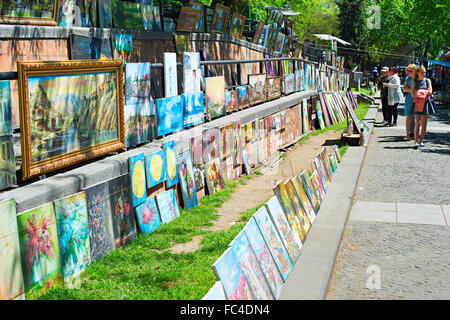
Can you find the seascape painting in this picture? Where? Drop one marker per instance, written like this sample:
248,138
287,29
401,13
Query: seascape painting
171,163
168,206
155,164
215,96
148,216
186,177
193,108
137,174
169,115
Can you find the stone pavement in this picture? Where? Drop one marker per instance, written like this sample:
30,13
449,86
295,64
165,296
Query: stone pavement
396,243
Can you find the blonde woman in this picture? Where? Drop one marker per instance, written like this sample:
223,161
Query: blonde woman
421,91
409,114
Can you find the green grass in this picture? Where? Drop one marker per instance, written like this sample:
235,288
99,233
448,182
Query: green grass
258,173
364,90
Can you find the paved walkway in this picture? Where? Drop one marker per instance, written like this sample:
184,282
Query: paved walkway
396,243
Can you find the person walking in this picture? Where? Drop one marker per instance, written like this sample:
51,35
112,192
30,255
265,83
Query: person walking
409,113
394,96
384,78
421,91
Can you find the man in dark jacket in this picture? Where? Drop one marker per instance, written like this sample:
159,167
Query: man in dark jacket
384,78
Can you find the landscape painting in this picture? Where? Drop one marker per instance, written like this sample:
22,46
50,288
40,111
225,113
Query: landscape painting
101,234
127,15
215,96
219,22
44,12
155,164
137,174
170,156
229,272
169,115
289,83
168,207
140,123
7,158
226,141
242,97
138,83
237,25
73,235
182,43
214,178
11,279
124,224
193,108
186,177
39,250
257,93
250,267
148,216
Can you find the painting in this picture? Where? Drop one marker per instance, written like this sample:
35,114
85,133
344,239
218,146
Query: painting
155,164
307,206
148,216
247,165
138,83
7,157
261,38
258,30
186,177
312,194
193,108
39,250
171,163
124,224
199,25
315,181
271,38
84,47
237,25
170,74
216,292
298,206
127,15
298,50
70,112
333,162
321,174
69,13
298,80
187,20
226,141
257,93
214,178
319,114
105,13
43,12
219,22
286,45
262,253
250,267
197,162
11,278
237,143
191,72
123,47
242,97
228,271
289,83
168,206
273,87
305,117
324,109
191,60
151,17
326,163
137,174
182,43
211,140
337,153
215,96
230,100
290,239
140,123
73,235
273,242
169,115
279,42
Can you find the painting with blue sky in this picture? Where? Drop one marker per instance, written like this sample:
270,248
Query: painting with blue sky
193,108
169,115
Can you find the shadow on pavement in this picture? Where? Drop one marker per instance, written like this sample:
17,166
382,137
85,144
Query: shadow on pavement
435,142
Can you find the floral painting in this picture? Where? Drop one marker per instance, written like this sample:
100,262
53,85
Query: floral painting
155,165
39,250
73,234
168,206
137,174
186,177
214,177
171,163
148,216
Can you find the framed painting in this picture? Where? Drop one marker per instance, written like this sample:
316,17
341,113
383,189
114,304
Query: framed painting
193,108
170,74
290,239
168,206
250,267
242,97
148,216
273,87
279,42
182,43
11,278
169,115
85,47
187,182
230,100
273,242
7,160
39,250
257,92
187,20
262,253
44,12
298,206
140,123
258,31
200,24
216,292
197,162
171,163
73,235
307,206
211,144
215,96
70,112
286,45
298,50
228,271
101,234
219,22
137,174
271,38
151,17
155,164
214,177
237,25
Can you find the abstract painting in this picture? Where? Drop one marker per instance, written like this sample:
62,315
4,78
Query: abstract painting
304,199
186,177
7,157
39,250
257,91
215,96
290,239
229,272
11,279
123,47
137,173
86,47
197,161
214,178
273,242
226,141
313,196
250,267
216,292
170,156
273,87
237,25
298,206
211,140
187,20
262,253
73,235
168,206
140,123
124,224
43,12
199,25
101,234
219,22
169,115
151,17
230,100
155,164
148,216
193,108
242,97
170,74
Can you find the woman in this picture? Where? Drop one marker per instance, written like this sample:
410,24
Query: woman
394,96
421,91
409,114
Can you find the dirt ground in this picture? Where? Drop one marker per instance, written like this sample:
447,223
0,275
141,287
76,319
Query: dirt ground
259,189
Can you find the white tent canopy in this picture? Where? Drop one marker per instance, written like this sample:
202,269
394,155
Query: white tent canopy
330,37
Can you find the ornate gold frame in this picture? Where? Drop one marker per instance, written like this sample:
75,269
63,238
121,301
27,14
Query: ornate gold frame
25,69
242,18
225,18
32,20
186,10
192,3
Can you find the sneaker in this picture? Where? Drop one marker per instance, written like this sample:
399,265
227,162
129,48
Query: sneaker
416,146
422,145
